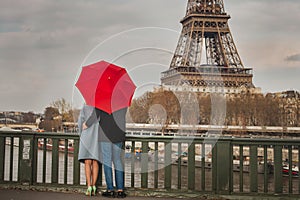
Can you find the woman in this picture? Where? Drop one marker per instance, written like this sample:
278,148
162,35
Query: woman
89,148
112,139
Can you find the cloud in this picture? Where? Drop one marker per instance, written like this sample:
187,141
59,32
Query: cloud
43,45
293,58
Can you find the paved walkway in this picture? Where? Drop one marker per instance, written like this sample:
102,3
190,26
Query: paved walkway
17,194
35,195
8,194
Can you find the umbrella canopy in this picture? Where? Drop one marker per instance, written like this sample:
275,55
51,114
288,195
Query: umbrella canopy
105,86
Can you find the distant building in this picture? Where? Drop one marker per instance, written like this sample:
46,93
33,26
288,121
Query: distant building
289,104
13,117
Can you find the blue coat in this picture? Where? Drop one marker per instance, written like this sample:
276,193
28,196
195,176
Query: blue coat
89,146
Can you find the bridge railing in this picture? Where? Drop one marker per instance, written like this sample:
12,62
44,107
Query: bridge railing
204,165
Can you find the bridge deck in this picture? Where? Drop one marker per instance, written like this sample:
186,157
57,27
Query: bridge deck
15,194
38,195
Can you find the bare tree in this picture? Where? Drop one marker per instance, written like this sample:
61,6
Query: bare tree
64,109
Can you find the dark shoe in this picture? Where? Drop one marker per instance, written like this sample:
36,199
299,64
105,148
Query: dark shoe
109,194
121,194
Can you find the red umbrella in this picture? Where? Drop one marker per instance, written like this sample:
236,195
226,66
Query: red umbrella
106,86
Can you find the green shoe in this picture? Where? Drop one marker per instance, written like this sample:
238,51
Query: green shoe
89,191
94,190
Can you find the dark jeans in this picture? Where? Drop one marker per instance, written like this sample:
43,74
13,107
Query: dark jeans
112,154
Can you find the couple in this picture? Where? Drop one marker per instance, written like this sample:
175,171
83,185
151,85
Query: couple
102,136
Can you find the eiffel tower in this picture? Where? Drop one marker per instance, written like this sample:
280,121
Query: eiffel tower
206,56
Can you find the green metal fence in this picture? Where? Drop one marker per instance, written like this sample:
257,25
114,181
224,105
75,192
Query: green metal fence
206,165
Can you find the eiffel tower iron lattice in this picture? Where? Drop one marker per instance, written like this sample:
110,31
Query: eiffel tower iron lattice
206,55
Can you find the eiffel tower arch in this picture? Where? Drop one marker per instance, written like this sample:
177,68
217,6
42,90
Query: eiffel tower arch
206,55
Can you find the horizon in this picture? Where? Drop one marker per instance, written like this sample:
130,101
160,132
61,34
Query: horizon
24,111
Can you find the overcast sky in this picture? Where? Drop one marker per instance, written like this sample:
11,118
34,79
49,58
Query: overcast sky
44,43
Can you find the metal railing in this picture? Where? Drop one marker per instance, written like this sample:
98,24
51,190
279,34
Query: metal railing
205,165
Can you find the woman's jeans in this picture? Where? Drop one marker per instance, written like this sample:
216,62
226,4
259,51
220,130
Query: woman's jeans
112,153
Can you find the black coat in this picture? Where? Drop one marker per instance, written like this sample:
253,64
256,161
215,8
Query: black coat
112,126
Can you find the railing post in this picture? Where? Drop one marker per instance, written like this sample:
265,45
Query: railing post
203,166
179,166
55,154
278,169
191,166
253,168
156,165
132,164
168,166
214,165
223,165
144,160
35,160
76,164
26,159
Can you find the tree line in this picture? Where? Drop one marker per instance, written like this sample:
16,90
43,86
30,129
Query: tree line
183,107
245,109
